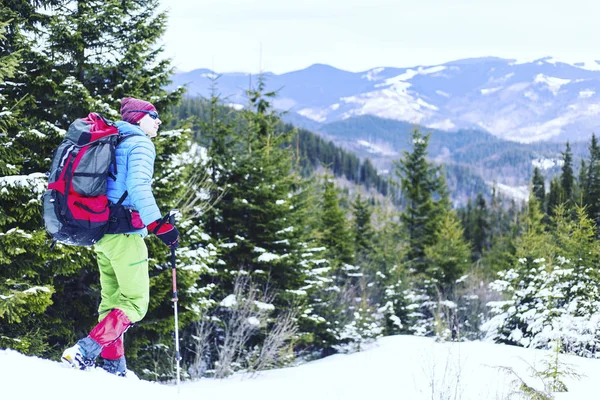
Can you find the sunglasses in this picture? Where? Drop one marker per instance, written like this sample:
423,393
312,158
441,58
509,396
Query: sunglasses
152,114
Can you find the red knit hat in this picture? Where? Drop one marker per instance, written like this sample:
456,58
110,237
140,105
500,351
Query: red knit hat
128,104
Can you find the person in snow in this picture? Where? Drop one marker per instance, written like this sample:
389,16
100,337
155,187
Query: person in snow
123,257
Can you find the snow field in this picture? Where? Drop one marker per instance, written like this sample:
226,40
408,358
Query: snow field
396,367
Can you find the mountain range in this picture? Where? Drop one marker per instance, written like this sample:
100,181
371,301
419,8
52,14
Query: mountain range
540,100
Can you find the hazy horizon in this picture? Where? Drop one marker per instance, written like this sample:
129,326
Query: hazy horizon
358,35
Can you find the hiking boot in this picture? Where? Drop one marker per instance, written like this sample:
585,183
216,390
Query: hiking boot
116,367
75,358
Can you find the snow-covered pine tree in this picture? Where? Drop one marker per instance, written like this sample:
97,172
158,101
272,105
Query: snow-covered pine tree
423,189
256,223
425,202
30,272
553,298
18,298
388,270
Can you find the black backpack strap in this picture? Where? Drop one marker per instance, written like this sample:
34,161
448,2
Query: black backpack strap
122,199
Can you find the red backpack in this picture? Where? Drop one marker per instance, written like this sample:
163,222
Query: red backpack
76,210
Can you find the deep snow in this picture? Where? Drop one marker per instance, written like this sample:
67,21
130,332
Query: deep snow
397,367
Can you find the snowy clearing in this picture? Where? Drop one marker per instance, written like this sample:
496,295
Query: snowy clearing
397,367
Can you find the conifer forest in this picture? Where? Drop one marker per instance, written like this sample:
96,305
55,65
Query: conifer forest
291,247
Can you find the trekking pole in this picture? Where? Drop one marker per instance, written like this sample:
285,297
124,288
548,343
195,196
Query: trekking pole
174,274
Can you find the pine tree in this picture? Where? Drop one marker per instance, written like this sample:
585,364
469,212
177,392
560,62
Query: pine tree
34,277
538,186
335,234
554,196
362,228
581,183
591,192
20,297
421,182
264,220
449,257
567,177
481,227
553,298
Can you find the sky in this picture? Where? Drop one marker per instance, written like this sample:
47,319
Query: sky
356,35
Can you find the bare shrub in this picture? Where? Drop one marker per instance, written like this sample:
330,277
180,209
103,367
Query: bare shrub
201,337
247,312
283,330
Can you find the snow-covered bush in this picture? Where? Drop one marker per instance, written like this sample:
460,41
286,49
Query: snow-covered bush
548,304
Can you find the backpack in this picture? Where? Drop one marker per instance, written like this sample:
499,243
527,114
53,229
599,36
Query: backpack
76,209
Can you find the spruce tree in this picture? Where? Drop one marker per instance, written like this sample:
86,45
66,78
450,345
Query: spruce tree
567,177
424,197
450,256
552,299
591,192
581,183
387,268
448,260
480,228
21,297
538,186
555,196
264,221
361,227
43,282
335,234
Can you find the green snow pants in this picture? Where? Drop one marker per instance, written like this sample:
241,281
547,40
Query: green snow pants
123,265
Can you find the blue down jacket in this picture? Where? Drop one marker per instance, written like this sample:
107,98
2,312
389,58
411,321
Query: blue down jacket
135,166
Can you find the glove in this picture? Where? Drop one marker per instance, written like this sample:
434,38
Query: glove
165,232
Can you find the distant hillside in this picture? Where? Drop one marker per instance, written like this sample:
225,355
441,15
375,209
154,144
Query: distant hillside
363,150
314,151
484,155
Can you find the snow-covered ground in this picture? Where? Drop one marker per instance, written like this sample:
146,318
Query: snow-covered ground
398,367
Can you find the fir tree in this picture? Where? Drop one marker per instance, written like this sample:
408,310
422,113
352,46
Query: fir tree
362,228
538,186
554,196
449,258
41,284
262,221
480,228
591,192
552,297
335,234
567,177
423,191
581,183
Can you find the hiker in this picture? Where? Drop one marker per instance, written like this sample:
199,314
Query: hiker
123,257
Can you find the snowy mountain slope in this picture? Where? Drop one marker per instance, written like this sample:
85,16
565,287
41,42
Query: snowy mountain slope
399,367
522,101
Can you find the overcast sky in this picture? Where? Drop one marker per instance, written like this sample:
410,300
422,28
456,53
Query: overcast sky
356,35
